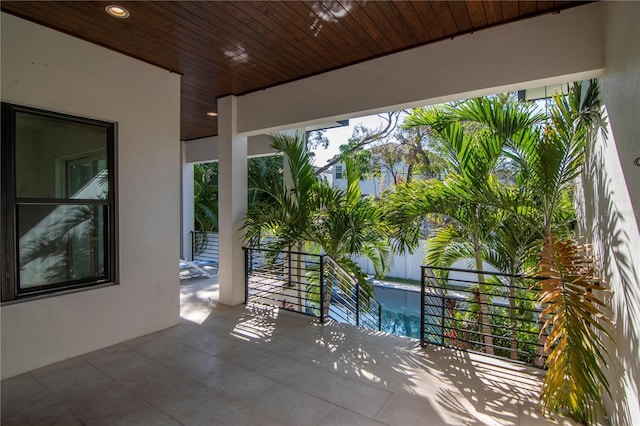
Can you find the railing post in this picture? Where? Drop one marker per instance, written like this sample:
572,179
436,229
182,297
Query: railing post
322,285
379,317
442,313
422,305
358,303
289,266
246,274
193,245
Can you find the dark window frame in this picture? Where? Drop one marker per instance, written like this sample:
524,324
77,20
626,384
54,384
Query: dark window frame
9,204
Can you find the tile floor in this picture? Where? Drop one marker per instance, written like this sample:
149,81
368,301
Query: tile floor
257,366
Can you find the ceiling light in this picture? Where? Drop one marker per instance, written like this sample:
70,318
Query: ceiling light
117,11
212,114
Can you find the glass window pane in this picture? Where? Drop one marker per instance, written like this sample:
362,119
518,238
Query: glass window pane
58,158
60,243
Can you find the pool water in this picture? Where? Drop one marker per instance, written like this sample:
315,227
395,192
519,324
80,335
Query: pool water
400,309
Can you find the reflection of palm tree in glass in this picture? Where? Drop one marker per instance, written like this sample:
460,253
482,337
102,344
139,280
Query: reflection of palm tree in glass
66,242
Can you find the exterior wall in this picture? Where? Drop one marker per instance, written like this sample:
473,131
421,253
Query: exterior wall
50,70
205,150
407,266
612,206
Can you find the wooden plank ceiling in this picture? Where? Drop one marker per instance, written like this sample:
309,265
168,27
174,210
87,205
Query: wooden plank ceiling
236,47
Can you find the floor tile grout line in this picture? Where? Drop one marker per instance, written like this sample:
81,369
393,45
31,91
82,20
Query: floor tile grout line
382,406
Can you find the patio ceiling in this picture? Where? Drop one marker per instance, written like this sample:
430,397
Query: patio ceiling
236,47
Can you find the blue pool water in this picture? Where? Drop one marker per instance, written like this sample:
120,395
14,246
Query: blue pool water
400,309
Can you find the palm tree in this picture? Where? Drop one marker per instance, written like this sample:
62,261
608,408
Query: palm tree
311,215
551,165
463,201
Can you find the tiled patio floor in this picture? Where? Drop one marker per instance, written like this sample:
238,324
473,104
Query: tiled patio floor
256,366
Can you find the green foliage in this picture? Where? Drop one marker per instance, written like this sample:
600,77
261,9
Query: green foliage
205,196
205,187
310,214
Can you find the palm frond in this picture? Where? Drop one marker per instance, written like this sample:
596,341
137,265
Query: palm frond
577,354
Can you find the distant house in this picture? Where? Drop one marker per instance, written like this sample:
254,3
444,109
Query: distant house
382,177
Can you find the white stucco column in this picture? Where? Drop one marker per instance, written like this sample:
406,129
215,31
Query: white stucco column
232,202
187,213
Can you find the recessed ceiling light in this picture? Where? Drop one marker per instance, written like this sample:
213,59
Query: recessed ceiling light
117,11
212,114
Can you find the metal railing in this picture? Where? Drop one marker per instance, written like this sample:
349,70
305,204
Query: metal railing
205,247
309,284
351,303
489,312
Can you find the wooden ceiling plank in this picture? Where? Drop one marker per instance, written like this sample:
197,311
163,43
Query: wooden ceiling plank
266,16
510,10
413,20
404,36
544,6
226,36
526,7
493,11
476,14
365,24
429,18
195,50
333,37
460,14
444,16
334,23
381,24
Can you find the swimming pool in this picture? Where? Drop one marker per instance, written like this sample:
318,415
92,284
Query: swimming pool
400,309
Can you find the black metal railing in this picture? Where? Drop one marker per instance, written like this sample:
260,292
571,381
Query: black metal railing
351,302
489,312
205,247
309,284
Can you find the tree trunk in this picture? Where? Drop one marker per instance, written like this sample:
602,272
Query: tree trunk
513,323
329,278
538,361
485,319
409,172
299,282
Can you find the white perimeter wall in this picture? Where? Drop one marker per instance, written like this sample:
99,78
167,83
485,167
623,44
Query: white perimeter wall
612,205
47,69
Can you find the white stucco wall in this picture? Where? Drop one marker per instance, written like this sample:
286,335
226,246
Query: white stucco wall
612,205
205,150
47,69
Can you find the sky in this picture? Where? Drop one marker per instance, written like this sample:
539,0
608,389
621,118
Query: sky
340,135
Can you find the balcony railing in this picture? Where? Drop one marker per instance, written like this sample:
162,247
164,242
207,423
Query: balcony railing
205,247
309,284
489,312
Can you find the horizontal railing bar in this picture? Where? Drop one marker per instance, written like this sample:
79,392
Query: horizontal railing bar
494,315
480,333
453,287
475,301
450,327
474,271
284,252
473,342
